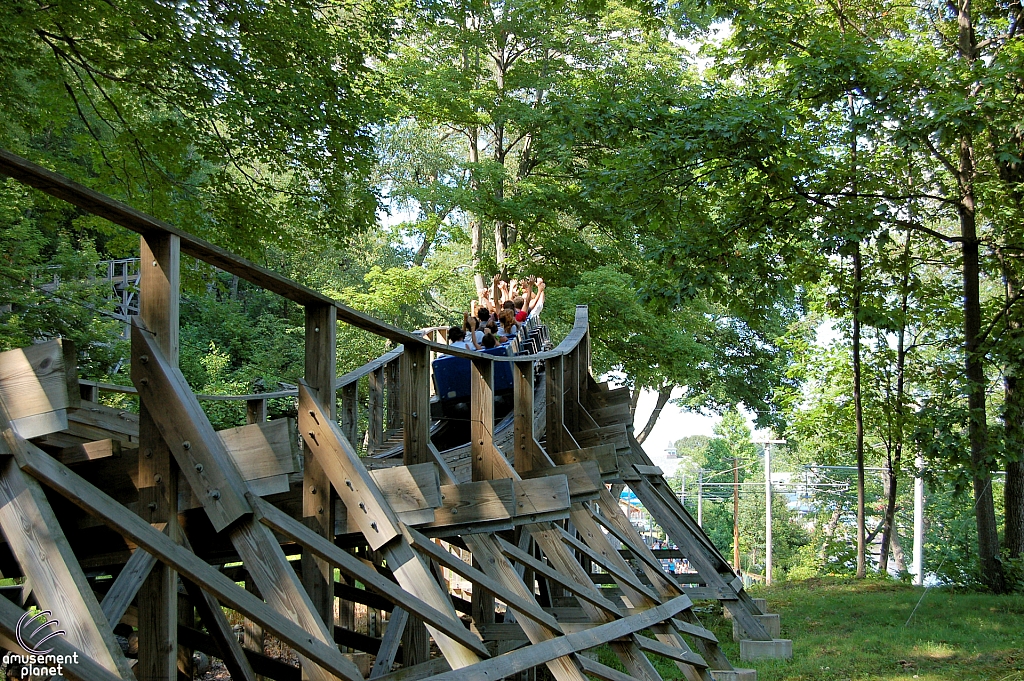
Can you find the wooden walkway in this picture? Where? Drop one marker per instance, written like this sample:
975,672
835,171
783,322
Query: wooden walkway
135,525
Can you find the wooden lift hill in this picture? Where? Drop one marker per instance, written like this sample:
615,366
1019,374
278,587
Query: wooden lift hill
148,527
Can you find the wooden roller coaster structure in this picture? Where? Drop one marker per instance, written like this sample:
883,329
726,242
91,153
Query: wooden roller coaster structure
122,522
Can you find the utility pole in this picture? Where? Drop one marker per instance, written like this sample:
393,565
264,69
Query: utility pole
700,498
768,514
768,508
735,514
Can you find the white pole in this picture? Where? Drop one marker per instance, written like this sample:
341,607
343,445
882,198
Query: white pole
767,515
917,567
700,498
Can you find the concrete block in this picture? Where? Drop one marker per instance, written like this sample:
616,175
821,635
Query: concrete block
771,623
778,649
733,674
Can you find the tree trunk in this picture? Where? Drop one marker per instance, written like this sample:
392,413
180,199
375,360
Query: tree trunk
1013,423
889,522
663,397
858,416
984,507
896,451
858,407
476,233
1013,493
897,552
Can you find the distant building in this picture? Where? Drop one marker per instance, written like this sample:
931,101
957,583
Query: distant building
671,452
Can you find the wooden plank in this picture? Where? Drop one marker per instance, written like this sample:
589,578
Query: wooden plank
366,506
260,450
613,435
389,643
121,593
524,444
538,653
613,413
583,478
413,492
89,451
42,551
33,381
604,455
352,566
555,388
571,386
481,418
409,488
415,401
113,423
524,606
37,425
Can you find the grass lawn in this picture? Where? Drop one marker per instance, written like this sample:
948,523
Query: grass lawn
843,629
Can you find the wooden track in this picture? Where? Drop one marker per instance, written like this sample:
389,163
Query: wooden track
509,554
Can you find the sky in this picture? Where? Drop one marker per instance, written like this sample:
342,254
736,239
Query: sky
673,424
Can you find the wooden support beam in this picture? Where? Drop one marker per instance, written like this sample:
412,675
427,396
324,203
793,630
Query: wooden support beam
58,583
527,452
159,295
212,616
571,387
524,607
84,495
34,386
393,395
583,592
621,575
317,495
350,412
184,427
122,592
375,411
389,643
380,526
555,389
539,653
415,401
481,418
89,451
214,476
256,410
352,566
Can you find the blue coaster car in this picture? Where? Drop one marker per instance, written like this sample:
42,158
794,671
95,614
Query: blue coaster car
451,375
